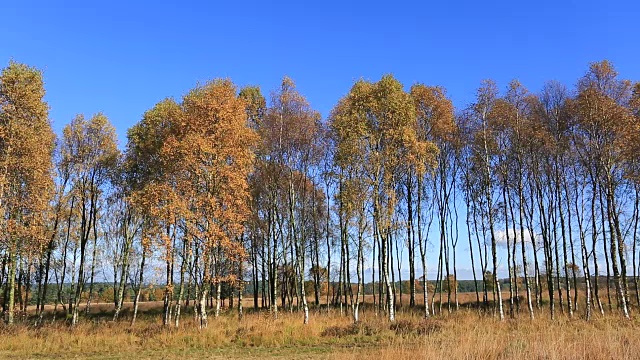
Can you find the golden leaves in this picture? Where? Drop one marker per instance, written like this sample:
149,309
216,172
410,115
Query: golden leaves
377,126
26,146
193,160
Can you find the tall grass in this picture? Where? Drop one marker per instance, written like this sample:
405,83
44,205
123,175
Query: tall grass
461,335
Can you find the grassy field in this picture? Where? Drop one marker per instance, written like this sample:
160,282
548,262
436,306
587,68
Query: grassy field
465,334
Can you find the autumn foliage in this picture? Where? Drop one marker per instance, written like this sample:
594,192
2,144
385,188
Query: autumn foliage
225,193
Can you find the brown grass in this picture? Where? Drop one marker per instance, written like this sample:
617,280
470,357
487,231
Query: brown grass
462,335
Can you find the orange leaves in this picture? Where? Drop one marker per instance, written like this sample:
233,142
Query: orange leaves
600,113
193,160
604,118
436,124
434,113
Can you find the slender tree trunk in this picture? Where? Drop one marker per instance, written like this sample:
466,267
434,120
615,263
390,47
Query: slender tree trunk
327,236
218,299
594,239
240,290
299,260
585,257
411,242
572,247
617,274
636,216
182,280
604,247
11,284
356,308
273,276
522,245
509,261
202,309
93,266
473,265
136,299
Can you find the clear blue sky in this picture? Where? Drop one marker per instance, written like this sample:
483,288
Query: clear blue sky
120,58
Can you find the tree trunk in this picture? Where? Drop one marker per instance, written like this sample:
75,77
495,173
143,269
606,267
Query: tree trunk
11,284
136,299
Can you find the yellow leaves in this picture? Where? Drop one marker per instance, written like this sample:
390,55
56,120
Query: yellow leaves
26,145
21,94
379,139
380,127
90,147
146,140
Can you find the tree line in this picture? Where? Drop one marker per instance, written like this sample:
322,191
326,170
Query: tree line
224,189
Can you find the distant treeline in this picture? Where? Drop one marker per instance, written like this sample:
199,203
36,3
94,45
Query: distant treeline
106,292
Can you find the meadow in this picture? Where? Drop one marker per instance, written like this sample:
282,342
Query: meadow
462,334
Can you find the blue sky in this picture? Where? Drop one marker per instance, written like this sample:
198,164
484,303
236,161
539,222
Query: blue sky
121,57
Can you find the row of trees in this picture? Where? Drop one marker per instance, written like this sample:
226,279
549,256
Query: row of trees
223,189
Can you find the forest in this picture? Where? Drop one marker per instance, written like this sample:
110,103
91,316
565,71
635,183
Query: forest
229,206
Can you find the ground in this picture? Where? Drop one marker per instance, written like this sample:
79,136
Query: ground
466,334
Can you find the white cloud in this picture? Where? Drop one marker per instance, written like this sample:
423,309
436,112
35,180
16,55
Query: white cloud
501,236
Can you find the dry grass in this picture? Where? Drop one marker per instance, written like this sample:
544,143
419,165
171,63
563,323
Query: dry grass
462,335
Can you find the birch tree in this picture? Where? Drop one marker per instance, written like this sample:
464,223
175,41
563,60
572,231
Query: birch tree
26,150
